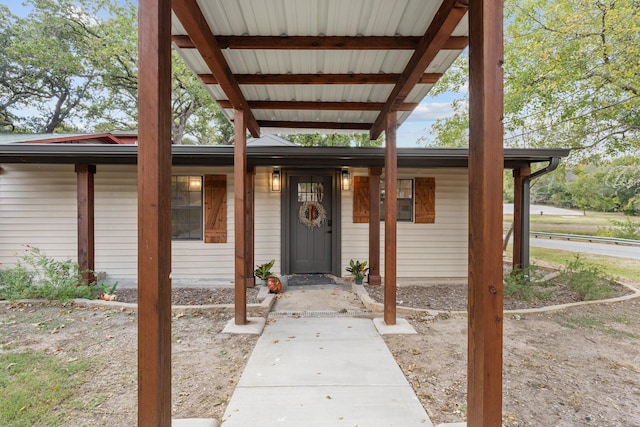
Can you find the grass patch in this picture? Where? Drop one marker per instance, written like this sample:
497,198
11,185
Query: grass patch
525,285
617,267
37,389
587,280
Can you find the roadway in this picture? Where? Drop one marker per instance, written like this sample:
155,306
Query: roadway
618,251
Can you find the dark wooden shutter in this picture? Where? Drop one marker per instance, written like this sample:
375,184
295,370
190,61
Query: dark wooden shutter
425,200
360,199
215,209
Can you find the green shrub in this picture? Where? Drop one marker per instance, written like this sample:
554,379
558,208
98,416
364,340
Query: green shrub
38,276
587,280
524,284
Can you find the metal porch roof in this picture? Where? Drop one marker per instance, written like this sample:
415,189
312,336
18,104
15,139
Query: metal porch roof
330,65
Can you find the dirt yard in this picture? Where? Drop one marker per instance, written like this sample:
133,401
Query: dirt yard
575,367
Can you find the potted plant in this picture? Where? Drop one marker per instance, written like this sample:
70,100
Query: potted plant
108,292
358,269
263,271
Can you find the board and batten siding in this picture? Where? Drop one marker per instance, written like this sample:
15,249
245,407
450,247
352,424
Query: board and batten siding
38,207
424,250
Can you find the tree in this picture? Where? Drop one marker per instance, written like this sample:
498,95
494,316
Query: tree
334,140
571,78
75,63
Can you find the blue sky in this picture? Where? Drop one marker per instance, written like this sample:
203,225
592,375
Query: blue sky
416,126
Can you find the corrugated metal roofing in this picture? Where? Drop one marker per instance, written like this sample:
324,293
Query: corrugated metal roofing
319,18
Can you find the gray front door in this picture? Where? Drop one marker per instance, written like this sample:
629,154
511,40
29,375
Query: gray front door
310,222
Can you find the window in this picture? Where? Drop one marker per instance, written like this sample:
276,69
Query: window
416,198
405,199
186,207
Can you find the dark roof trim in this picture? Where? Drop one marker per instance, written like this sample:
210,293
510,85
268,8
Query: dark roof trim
218,155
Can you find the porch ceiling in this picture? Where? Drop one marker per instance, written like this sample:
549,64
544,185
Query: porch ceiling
319,65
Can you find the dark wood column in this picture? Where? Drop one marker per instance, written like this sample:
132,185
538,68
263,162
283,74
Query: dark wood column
390,218
520,210
240,215
374,226
154,213
484,392
86,233
250,224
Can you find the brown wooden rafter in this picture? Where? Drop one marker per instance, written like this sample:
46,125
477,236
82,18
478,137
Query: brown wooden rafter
319,79
190,15
320,42
319,105
435,38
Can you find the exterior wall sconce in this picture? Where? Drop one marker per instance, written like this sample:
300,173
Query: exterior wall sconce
275,181
346,180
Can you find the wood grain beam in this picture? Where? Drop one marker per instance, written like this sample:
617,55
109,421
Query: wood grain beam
86,219
319,79
520,208
390,218
486,299
320,42
374,226
320,105
434,39
154,213
240,215
190,15
313,125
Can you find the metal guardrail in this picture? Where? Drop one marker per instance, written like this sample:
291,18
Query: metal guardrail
593,239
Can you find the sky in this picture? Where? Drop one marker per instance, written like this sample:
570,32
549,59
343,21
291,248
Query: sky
417,125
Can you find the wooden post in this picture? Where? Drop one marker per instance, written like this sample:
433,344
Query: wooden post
154,213
374,226
519,211
484,391
250,224
240,215
86,234
390,218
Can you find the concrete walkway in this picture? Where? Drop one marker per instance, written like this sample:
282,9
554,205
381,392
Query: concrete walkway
323,371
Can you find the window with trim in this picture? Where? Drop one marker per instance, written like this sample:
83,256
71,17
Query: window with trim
186,207
405,200
416,200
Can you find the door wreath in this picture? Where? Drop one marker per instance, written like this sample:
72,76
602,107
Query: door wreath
312,214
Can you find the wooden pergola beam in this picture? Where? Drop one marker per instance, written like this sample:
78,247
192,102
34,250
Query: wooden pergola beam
374,226
319,79
240,215
86,219
320,42
319,105
520,210
154,213
444,22
390,218
485,319
190,15
313,125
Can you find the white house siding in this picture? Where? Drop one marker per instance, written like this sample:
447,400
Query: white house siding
37,208
424,250
193,260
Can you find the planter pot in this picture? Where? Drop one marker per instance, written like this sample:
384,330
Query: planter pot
263,282
359,280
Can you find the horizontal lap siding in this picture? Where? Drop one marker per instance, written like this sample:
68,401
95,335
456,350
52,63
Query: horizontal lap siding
37,208
424,250
267,221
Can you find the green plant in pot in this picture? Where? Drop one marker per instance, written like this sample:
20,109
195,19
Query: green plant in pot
358,269
263,271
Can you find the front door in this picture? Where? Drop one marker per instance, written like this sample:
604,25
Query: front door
310,223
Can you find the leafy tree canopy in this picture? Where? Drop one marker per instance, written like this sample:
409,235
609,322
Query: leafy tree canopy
571,77
334,140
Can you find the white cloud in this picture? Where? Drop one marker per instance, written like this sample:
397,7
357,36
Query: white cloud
430,111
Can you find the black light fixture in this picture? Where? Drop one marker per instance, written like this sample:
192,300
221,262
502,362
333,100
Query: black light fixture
275,180
346,180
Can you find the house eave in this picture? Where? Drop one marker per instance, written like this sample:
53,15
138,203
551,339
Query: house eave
325,157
